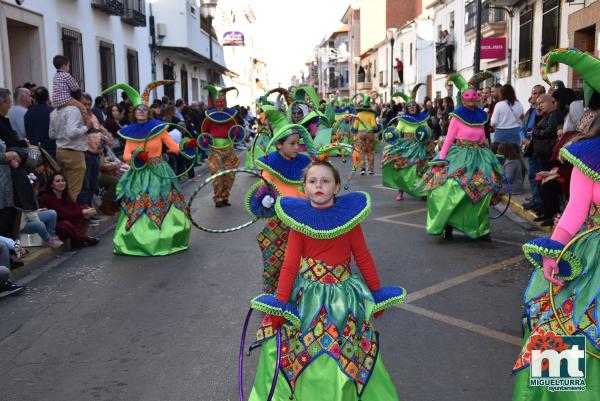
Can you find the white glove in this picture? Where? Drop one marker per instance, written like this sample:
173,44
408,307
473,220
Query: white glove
268,201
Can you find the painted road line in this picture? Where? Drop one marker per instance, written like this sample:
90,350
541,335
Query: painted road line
463,324
408,213
379,186
463,278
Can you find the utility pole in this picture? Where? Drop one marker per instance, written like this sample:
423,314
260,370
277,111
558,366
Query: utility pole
477,63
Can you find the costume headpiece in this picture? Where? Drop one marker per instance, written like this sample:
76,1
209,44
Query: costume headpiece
477,79
217,98
587,66
134,95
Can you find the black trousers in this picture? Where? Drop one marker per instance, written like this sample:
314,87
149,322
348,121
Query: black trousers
551,192
450,57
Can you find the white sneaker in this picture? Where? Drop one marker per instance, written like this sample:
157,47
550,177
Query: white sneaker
54,242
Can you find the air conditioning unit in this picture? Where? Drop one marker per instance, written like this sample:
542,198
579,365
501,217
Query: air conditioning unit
161,30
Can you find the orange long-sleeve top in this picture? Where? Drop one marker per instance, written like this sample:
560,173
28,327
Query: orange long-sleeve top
333,251
153,146
284,189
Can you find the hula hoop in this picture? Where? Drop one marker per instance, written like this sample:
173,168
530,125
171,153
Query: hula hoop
507,202
551,287
179,127
208,181
241,360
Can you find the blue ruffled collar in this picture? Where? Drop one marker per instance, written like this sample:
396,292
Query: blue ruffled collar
585,155
346,213
287,170
140,132
414,118
470,117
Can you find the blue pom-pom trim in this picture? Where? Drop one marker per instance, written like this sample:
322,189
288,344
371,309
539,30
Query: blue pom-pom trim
267,303
569,267
386,297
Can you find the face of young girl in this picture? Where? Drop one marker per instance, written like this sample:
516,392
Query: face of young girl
289,148
320,186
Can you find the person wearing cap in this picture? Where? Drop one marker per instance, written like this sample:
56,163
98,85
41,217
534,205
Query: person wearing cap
218,122
154,216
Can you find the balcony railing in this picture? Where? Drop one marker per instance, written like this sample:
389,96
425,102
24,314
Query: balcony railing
114,7
135,13
440,59
488,16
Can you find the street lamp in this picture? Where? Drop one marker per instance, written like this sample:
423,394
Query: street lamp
208,11
356,62
391,35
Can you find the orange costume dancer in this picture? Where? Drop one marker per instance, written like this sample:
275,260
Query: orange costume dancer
154,217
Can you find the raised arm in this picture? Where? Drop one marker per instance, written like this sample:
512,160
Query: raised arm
291,264
577,209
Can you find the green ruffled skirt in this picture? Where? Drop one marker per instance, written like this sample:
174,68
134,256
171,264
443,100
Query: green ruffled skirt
154,218
460,192
334,355
403,164
524,392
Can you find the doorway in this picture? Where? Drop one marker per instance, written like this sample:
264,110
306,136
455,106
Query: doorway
25,49
584,40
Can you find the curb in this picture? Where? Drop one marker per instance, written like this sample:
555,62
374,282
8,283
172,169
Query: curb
526,214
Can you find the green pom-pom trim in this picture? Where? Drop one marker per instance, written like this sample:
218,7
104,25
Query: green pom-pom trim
272,310
249,195
262,166
575,161
323,234
576,267
469,124
182,149
388,303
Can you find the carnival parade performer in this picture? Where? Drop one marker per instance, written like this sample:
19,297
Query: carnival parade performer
366,127
283,169
571,307
218,123
465,177
154,217
405,161
330,349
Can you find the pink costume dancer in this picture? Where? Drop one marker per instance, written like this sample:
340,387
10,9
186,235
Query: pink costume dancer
465,177
578,274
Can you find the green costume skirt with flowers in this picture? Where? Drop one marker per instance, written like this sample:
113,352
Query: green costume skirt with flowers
403,165
460,192
332,351
154,217
576,304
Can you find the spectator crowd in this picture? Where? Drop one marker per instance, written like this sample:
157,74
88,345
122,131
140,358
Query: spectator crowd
61,159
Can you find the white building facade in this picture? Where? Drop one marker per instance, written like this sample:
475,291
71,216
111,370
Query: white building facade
107,42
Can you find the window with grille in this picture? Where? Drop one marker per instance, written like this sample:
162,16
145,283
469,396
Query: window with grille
184,85
550,25
525,40
107,68
169,73
133,72
73,50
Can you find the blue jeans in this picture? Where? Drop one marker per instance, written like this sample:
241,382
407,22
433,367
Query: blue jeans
45,226
4,261
91,182
534,168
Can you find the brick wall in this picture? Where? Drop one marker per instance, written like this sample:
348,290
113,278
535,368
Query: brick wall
579,20
399,12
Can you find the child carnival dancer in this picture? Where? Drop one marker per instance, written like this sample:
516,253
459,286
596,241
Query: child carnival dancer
283,169
218,124
466,174
154,217
405,160
563,295
330,349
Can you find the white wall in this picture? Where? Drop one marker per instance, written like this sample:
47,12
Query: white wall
94,25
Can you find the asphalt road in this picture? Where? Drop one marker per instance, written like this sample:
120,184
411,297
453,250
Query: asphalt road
104,327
